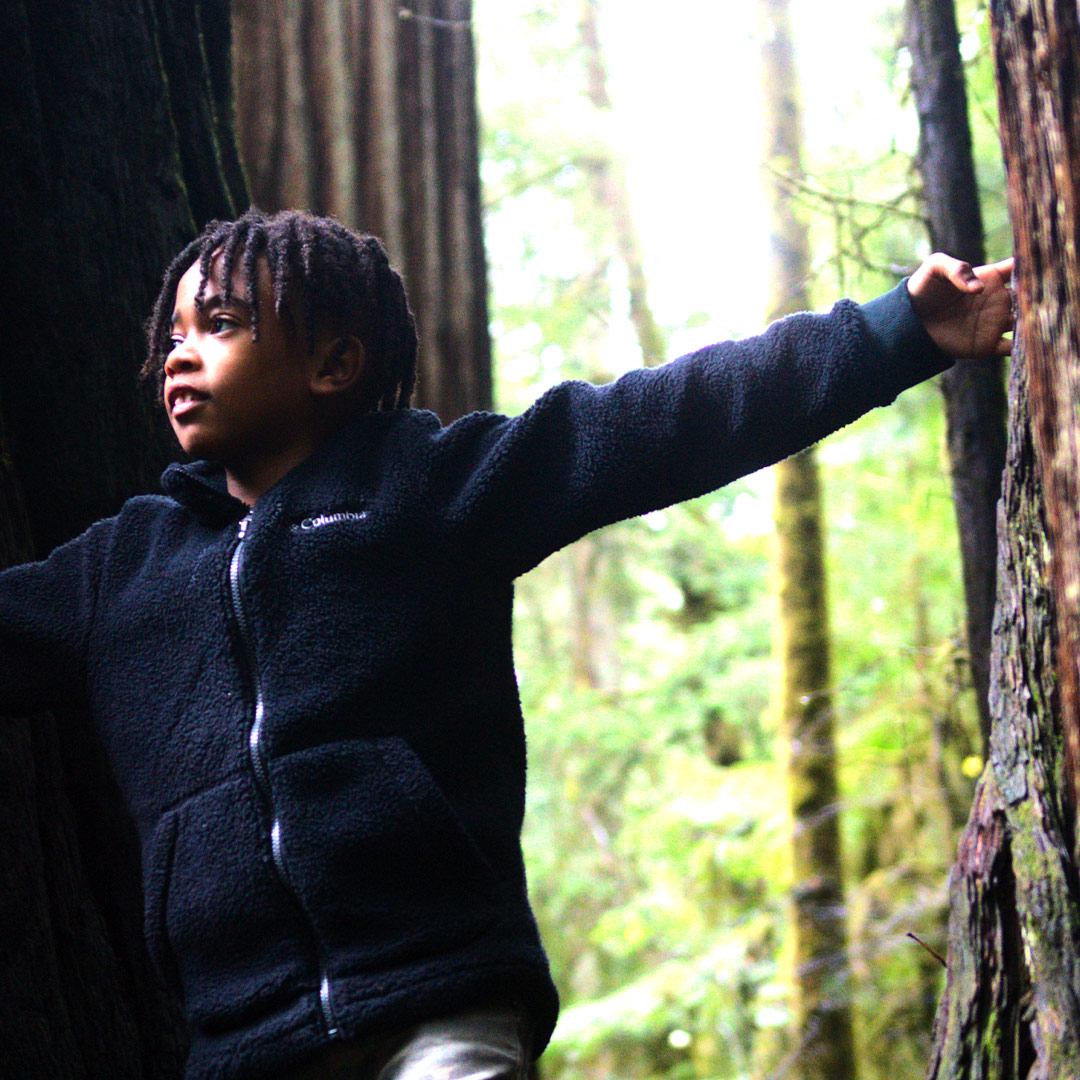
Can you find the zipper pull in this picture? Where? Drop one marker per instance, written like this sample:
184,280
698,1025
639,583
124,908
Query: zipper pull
242,526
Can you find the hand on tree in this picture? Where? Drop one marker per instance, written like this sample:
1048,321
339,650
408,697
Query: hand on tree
966,311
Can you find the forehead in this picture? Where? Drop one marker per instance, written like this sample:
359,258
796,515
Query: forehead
187,288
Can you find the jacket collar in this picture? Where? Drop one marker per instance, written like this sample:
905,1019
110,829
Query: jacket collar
200,486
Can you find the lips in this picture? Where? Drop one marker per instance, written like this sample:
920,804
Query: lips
181,399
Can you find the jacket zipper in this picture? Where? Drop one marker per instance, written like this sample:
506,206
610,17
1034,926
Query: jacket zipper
261,771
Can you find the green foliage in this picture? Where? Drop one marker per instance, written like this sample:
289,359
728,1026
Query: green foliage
656,836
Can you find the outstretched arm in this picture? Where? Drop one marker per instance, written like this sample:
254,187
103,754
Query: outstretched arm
583,456
45,613
966,311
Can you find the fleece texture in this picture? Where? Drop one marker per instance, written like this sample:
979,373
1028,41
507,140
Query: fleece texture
317,726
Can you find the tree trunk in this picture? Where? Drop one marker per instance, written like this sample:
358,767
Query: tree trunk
1012,1003
974,390
612,195
117,145
824,1038
365,110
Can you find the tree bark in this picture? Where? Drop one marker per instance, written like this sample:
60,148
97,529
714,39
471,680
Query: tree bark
366,110
1012,1002
824,1047
974,390
117,143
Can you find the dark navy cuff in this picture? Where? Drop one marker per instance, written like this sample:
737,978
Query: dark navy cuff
905,354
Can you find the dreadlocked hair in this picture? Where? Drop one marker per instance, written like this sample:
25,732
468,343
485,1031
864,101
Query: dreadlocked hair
324,278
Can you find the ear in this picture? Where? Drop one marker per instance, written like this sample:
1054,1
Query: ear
337,365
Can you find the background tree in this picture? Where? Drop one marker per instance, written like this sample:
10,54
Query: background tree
365,110
825,1046
613,195
1010,1008
117,145
974,391
588,558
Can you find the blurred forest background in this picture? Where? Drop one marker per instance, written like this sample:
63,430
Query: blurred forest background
625,221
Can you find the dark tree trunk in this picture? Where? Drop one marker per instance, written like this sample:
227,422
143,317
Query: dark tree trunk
1012,1004
115,122
366,110
979,1033
974,390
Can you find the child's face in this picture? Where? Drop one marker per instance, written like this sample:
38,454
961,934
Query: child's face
245,403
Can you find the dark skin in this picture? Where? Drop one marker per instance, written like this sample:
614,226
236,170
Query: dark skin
260,407
967,311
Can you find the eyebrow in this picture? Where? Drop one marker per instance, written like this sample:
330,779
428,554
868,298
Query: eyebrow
215,301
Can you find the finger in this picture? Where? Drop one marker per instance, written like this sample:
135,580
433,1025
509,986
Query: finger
1002,270
957,272
963,276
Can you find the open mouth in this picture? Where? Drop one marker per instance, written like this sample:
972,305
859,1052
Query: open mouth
183,399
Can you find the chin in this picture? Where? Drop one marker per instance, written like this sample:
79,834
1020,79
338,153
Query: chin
199,449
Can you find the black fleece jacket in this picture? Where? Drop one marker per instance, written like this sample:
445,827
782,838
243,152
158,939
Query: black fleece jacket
311,708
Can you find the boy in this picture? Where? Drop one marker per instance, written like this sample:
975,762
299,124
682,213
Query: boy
299,656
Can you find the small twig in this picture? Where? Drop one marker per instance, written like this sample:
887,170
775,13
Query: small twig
853,202
933,952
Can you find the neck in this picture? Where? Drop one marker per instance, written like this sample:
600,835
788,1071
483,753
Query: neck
248,481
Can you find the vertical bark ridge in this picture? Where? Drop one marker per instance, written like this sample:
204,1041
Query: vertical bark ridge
978,1032
366,110
1038,50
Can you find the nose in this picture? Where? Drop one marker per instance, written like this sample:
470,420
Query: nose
181,357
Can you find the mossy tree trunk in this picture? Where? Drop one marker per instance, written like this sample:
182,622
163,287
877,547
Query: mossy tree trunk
974,390
116,146
1011,1009
824,1039
366,110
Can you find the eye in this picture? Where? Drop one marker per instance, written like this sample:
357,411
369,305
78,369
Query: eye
175,341
219,324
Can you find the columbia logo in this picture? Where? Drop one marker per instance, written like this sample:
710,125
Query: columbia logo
329,519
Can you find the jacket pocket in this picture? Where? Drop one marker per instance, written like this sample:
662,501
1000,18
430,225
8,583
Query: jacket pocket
240,948
157,860
378,856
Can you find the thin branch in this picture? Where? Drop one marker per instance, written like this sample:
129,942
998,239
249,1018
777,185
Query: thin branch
832,198
933,952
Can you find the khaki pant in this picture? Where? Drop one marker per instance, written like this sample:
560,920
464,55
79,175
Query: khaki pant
488,1043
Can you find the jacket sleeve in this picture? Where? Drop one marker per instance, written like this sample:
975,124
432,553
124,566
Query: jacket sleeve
46,610
584,456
